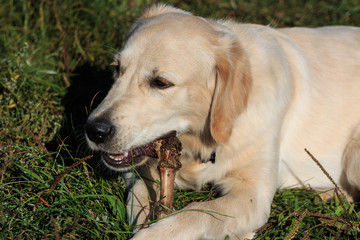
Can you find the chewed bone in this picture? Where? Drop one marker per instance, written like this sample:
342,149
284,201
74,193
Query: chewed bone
168,151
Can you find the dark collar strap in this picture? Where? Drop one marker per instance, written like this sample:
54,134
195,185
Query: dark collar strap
212,157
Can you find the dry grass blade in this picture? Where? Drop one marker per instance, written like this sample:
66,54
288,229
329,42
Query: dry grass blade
322,168
296,226
56,228
72,226
40,135
58,179
36,139
92,100
7,160
337,189
306,237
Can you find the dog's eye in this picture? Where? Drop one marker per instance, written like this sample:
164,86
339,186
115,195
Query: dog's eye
160,83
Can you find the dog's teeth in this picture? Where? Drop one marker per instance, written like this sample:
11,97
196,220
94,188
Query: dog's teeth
116,157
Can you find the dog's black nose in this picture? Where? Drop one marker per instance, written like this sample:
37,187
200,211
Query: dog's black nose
99,130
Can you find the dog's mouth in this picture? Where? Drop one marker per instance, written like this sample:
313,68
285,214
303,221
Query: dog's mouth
134,156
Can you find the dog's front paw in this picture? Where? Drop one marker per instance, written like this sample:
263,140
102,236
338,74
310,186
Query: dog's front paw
151,233
145,234
172,227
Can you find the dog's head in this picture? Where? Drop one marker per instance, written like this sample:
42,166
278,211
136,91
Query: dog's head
177,73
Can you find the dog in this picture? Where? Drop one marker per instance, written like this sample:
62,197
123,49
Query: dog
252,96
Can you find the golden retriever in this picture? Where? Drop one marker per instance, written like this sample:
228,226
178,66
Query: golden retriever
253,95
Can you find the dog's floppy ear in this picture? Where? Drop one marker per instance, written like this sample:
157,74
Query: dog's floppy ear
233,83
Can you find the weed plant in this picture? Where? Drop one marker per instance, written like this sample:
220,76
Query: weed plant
54,60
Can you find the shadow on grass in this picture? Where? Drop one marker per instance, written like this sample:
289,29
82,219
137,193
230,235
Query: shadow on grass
89,87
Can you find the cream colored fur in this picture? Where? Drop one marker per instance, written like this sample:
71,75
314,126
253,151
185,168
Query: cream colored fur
256,95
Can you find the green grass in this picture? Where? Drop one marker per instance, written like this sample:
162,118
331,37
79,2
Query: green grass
54,58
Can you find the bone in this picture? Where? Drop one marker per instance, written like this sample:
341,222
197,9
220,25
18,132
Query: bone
168,151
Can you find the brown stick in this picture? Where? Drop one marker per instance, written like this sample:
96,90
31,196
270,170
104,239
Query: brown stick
167,178
168,151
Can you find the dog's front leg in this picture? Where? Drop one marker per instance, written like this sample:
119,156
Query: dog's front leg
244,208
143,191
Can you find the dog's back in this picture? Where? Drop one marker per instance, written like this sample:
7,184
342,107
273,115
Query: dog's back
326,107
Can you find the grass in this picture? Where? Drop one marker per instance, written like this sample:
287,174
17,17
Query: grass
54,58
